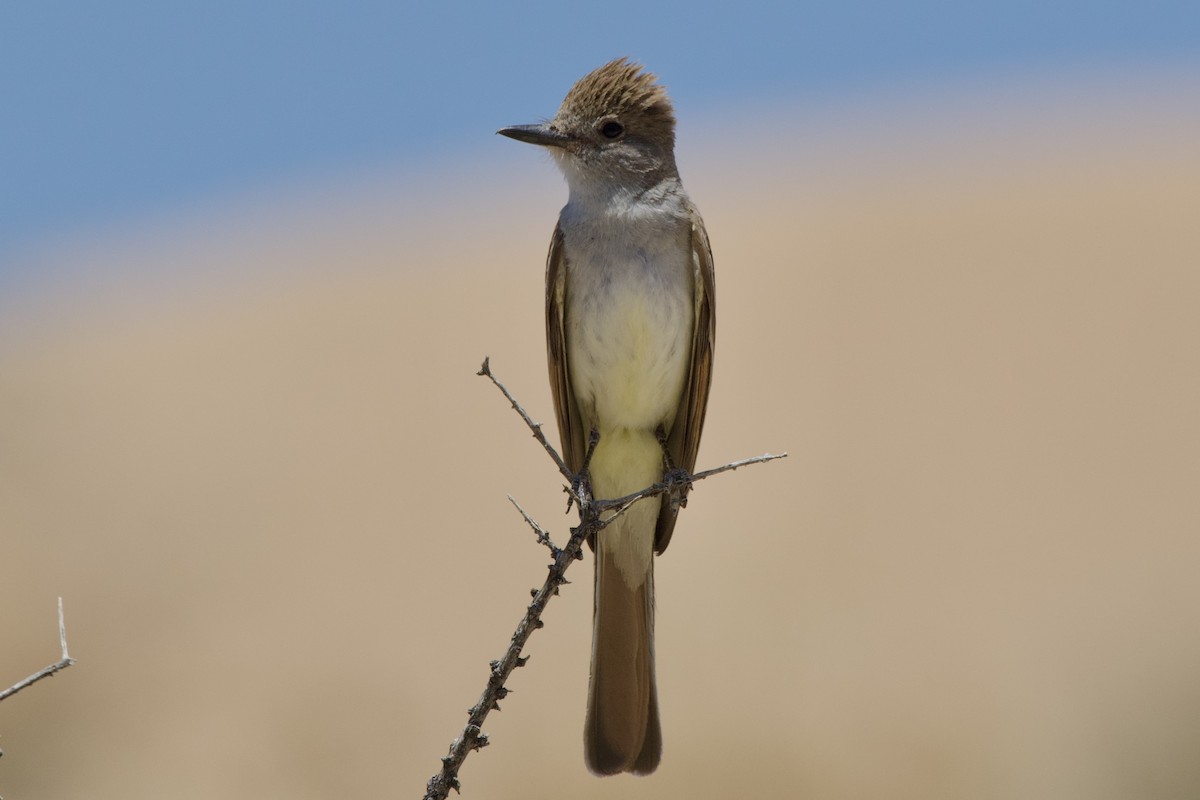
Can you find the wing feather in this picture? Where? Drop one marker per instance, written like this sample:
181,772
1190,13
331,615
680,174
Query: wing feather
570,427
683,441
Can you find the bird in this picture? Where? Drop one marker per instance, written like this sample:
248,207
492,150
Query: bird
630,330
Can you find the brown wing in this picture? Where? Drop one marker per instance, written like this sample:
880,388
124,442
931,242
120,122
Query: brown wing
683,442
570,427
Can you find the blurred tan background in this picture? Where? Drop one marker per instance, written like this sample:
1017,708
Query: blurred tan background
271,490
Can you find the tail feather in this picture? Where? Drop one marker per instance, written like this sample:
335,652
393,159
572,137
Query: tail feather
622,732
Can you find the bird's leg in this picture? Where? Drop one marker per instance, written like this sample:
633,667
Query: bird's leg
677,479
581,484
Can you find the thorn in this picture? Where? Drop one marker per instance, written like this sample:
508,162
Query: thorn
522,660
486,369
502,692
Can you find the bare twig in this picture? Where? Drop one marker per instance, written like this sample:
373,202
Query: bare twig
542,536
62,664
486,370
623,503
590,522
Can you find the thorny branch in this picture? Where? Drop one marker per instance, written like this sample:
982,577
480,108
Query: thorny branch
590,521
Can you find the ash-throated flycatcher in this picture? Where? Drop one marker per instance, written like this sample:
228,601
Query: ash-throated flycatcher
629,332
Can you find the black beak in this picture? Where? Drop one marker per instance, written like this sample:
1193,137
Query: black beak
541,134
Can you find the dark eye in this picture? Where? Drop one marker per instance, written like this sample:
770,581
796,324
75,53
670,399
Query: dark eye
612,129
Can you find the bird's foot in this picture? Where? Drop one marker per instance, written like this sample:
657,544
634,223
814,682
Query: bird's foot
581,484
677,479
678,482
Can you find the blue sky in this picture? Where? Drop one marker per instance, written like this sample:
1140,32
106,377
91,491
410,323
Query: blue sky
112,111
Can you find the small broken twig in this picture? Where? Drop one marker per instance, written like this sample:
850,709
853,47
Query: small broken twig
62,663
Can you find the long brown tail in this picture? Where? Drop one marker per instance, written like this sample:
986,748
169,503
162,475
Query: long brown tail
622,732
